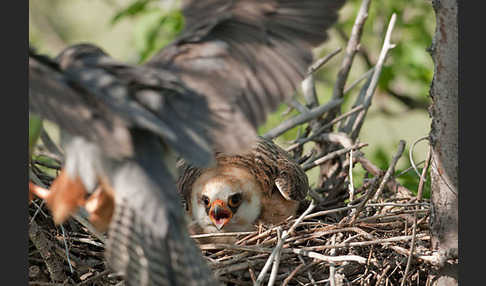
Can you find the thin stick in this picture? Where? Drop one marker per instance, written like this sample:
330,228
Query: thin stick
294,104
367,74
414,227
423,178
332,266
330,259
300,267
410,154
378,282
281,242
326,212
351,49
93,278
276,262
389,172
66,249
218,234
322,61
387,46
392,183
351,183
308,85
301,118
305,250
321,160
361,243
324,128
37,211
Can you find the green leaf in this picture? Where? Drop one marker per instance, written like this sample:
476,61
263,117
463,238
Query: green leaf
155,29
132,10
35,128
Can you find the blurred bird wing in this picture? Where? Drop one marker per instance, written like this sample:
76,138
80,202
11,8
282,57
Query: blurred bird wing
111,92
52,95
246,57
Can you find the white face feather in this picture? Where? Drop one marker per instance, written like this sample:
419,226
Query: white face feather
222,187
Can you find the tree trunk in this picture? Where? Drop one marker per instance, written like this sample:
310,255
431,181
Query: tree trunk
444,142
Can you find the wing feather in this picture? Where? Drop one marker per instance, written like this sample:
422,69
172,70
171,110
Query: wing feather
246,57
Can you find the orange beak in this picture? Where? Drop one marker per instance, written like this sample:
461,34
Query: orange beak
220,214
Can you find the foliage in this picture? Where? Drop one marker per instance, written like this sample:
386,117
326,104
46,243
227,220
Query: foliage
155,27
35,127
409,64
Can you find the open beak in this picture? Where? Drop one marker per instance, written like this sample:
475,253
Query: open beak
220,214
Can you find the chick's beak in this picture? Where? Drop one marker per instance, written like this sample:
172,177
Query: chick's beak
220,214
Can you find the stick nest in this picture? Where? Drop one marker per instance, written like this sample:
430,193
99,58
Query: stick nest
323,243
371,251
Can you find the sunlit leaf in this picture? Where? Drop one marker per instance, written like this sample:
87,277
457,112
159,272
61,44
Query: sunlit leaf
35,128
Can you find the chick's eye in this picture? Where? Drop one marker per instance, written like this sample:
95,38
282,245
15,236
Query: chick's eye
235,200
205,200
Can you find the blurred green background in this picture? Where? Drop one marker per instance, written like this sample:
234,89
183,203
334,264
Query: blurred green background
132,30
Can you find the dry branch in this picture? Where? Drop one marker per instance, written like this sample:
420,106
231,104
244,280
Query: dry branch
354,124
301,118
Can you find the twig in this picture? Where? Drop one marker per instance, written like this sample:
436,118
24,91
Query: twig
330,259
301,118
351,49
276,261
323,128
66,249
392,183
332,266
408,169
294,104
308,272
326,212
93,278
321,160
383,274
410,102
308,86
432,259
423,178
410,154
300,267
218,234
37,211
363,243
367,74
280,243
322,61
350,174
354,124
389,172
414,227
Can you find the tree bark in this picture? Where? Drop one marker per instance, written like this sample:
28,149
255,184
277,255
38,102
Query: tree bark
444,142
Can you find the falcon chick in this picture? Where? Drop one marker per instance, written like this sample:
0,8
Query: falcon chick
264,185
